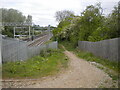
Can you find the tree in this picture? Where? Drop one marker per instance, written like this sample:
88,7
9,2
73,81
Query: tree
110,28
113,22
91,19
92,25
62,15
11,16
64,18
29,19
101,33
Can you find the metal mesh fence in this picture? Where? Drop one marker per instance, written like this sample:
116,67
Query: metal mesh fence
107,49
15,50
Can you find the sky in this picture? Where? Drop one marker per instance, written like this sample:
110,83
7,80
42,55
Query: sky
43,11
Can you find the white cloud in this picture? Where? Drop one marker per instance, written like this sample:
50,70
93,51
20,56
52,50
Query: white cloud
107,5
43,11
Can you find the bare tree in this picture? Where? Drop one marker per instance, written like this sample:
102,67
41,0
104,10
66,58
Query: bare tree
62,15
29,19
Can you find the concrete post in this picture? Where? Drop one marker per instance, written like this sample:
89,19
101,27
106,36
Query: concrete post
33,31
29,32
49,30
14,32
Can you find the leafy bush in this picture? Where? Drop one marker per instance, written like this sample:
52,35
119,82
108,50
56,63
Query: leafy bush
101,33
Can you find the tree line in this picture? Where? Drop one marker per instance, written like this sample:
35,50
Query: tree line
13,16
91,25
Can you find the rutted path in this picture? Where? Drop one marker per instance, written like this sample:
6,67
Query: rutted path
81,74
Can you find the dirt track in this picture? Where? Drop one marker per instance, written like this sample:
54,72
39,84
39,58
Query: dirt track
80,74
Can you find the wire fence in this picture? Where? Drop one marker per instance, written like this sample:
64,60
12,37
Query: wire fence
16,50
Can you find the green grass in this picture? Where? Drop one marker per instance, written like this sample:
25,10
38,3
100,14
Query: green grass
48,42
110,65
90,57
69,46
48,63
112,68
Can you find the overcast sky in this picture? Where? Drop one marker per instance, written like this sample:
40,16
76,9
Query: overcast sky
43,11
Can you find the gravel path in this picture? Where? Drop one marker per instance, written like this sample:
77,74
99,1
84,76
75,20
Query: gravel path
80,74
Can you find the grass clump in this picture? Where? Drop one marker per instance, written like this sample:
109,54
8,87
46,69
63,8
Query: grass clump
48,63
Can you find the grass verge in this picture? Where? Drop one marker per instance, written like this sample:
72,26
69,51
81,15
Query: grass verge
110,67
47,63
